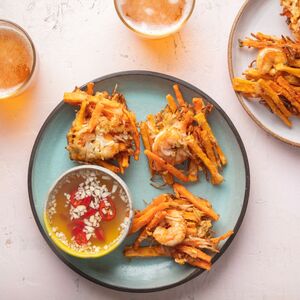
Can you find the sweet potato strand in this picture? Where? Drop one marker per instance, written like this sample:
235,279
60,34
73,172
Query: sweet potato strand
166,166
184,193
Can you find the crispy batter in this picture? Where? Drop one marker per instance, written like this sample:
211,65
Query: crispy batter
178,226
291,10
193,170
104,132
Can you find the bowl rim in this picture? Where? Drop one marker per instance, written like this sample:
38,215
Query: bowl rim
57,241
21,88
197,272
153,36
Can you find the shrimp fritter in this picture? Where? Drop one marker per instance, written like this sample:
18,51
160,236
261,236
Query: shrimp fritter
104,131
178,226
181,135
274,78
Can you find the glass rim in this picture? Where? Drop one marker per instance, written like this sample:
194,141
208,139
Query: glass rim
117,8
34,57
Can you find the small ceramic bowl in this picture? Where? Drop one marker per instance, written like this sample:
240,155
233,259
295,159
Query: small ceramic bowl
154,33
65,179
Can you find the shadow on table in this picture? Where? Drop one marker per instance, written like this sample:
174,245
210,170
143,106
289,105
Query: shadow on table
17,111
169,50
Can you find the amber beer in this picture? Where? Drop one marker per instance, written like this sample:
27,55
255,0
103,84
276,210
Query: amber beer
16,59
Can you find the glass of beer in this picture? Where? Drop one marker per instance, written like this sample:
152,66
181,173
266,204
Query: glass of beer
17,59
154,18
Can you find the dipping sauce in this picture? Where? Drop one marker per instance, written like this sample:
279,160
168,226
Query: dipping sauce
154,17
16,59
88,211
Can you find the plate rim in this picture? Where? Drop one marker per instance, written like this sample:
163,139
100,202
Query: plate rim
196,272
233,29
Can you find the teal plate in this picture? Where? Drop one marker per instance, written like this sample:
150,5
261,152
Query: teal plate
145,93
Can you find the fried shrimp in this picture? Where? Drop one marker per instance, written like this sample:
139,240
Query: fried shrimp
169,145
268,58
173,229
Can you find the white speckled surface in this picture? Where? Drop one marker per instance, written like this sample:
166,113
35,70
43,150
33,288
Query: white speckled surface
81,40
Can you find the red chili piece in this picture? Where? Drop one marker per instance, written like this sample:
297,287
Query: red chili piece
107,212
100,234
90,212
80,238
77,228
85,201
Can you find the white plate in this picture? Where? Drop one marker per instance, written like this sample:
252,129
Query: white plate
260,16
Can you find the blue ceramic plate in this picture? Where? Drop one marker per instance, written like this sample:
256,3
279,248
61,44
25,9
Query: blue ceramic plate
145,93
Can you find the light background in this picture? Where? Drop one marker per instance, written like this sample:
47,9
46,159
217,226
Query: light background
80,40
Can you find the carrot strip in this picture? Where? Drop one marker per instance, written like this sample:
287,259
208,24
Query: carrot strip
276,111
136,136
194,252
290,70
198,104
125,160
146,141
106,102
166,166
184,193
147,231
156,201
95,117
168,178
291,90
289,94
179,96
273,95
244,86
90,88
202,121
199,263
255,75
171,102
143,220
208,147
217,240
75,98
193,171
204,202
109,166
216,178
146,251
80,115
